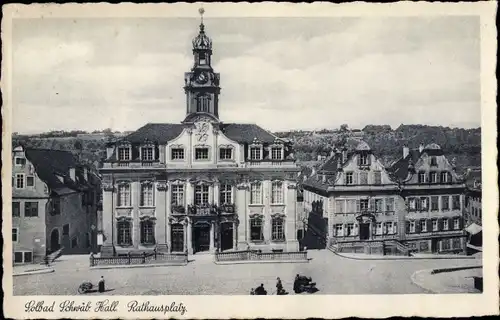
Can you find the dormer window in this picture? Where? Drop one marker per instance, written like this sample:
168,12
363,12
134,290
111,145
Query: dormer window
20,161
201,154
255,153
177,153
124,154
147,153
225,153
445,177
433,161
277,153
363,160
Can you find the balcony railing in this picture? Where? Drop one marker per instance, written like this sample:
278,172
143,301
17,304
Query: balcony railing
227,208
203,209
178,210
134,164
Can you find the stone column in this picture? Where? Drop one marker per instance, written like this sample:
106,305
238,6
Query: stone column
168,235
212,236
189,195
161,214
190,236
235,235
215,193
189,151
241,210
134,194
291,216
108,216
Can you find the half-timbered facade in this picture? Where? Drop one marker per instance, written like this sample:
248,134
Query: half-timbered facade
200,185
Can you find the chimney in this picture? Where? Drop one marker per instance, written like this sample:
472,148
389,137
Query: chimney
421,148
72,174
406,151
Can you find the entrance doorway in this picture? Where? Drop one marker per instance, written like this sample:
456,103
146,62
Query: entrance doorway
226,236
201,237
54,240
364,231
177,238
434,245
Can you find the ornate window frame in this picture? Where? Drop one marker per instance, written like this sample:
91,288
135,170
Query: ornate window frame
171,152
261,219
282,218
256,144
152,221
129,221
260,200
174,183
277,145
152,184
226,146
124,145
282,183
145,145
202,146
118,185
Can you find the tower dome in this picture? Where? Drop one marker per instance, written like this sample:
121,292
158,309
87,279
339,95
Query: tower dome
202,41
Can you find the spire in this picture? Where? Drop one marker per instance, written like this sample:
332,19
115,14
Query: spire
202,41
201,11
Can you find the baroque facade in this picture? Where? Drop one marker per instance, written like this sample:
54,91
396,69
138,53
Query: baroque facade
416,203
201,185
54,204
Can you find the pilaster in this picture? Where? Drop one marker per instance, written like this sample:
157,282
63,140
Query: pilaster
212,236
241,209
216,188
108,213
134,201
189,236
161,213
291,217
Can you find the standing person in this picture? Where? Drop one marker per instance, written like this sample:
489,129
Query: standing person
101,285
46,260
279,286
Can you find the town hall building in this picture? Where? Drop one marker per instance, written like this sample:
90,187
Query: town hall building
201,185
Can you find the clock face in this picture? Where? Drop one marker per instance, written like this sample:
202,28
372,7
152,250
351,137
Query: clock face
202,77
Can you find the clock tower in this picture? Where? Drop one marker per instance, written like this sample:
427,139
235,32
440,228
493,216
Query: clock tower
202,83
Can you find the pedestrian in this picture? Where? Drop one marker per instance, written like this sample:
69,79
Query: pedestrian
101,285
279,286
46,260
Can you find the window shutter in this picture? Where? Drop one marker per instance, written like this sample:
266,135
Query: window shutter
359,159
358,205
461,223
355,177
372,204
429,225
418,225
407,227
384,229
440,224
451,225
369,159
395,227
355,229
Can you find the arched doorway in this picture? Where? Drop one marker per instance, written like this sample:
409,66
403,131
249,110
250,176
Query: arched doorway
201,236
226,235
54,240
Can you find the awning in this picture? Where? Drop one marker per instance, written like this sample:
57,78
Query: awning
474,229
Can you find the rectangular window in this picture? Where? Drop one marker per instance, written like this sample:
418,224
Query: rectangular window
30,181
19,161
225,153
421,177
456,223
423,225
201,154
412,204
56,206
424,204
445,203
15,234
456,243
147,195
124,233
19,181
445,224
389,204
388,227
433,161
18,257
379,205
147,232
178,195
177,154
363,205
31,209
377,177
434,225
255,153
350,229
28,257
277,192
339,206
201,194
225,194
378,229
277,232
124,154
276,153
256,233
445,244
65,230
434,177
349,178
364,160
124,195
255,193
445,177
147,153
16,209
363,178
339,230
434,203
412,226
455,201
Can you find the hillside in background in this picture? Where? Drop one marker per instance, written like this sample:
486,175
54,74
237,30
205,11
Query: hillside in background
462,144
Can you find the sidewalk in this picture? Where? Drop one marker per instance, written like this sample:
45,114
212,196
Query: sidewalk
454,280
362,256
24,270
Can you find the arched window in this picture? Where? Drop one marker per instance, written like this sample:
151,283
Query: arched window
124,232
147,232
203,104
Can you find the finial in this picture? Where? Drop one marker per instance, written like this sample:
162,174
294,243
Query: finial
201,11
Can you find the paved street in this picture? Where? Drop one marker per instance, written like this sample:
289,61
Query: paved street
333,275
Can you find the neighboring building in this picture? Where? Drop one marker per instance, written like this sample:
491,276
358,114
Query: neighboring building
473,196
416,203
200,185
53,204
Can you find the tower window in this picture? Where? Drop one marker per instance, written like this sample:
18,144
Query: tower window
203,58
203,104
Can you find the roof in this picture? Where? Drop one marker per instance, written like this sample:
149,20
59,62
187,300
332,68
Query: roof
400,167
164,132
363,146
473,229
49,164
473,179
432,146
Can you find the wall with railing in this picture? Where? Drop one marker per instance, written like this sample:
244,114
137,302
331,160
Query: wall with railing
253,255
151,258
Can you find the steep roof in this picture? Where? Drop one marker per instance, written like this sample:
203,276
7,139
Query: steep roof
164,132
51,163
473,179
400,167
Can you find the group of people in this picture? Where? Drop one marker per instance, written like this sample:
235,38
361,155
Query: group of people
297,286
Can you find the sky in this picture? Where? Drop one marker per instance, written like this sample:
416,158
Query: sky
280,73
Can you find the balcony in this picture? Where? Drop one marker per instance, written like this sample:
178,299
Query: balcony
227,208
270,163
178,210
203,210
134,164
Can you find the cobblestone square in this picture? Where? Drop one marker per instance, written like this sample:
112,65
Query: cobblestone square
333,275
